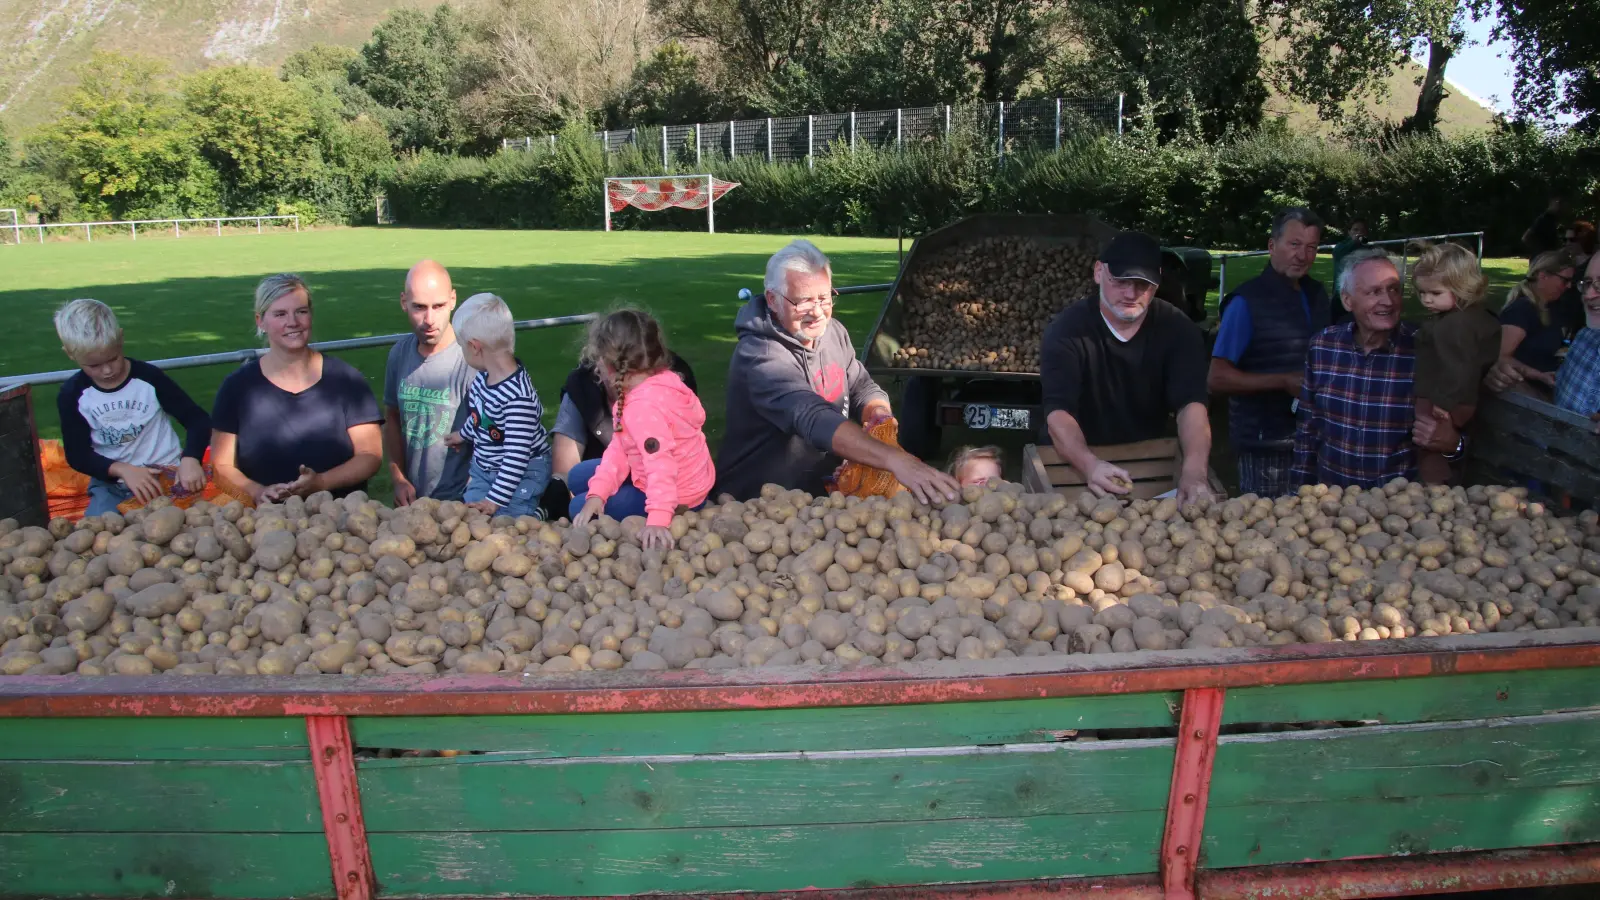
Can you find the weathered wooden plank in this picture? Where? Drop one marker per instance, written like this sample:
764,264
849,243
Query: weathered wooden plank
1034,476
1544,424
601,863
165,865
1293,832
186,795
1531,462
1396,761
483,793
1434,699
1160,448
154,738
765,730
1147,470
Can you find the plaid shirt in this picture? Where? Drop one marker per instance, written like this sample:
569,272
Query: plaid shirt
1356,410
1578,379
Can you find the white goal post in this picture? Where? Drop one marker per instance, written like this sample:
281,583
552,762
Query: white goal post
657,192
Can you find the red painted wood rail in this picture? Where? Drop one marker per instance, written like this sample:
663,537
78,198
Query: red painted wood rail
1198,726
333,761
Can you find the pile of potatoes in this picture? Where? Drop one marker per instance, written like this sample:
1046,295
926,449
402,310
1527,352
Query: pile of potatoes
984,306
351,587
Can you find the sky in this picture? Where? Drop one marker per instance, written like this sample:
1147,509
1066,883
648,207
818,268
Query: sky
1482,69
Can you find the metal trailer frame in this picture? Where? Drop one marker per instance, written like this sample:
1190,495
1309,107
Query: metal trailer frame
711,194
1203,677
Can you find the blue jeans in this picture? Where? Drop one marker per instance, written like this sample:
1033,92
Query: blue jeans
627,501
525,502
105,496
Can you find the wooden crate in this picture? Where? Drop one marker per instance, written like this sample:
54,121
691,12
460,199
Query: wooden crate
1517,439
22,492
1154,466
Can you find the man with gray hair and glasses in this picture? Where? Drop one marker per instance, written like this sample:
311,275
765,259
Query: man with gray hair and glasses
796,392
1357,413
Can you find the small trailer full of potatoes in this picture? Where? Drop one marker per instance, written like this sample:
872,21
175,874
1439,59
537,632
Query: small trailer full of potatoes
1342,692
962,323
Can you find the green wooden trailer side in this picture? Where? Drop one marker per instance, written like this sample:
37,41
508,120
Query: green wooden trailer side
1330,770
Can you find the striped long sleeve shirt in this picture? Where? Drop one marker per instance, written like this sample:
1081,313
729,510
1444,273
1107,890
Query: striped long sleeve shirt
505,428
1356,410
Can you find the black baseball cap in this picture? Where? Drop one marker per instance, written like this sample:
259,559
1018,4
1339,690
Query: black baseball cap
1133,254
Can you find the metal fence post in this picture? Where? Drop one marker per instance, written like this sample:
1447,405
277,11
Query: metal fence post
1058,123
769,139
665,159
897,129
1119,113
947,121
811,121
733,149
133,230
86,235
552,143
1002,145
852,130
697,143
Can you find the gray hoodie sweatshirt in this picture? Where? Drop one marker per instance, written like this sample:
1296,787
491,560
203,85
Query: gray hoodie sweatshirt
784,404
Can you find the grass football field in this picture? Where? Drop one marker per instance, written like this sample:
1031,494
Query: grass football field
194,295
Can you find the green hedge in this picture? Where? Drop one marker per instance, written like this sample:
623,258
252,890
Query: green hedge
1220,194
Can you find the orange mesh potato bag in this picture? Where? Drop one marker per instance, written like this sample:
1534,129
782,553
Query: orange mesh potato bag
856,480
66,489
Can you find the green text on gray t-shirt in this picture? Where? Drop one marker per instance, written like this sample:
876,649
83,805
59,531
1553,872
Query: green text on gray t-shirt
430,393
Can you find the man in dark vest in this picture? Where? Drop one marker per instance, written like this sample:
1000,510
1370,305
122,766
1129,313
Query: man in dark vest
1260,352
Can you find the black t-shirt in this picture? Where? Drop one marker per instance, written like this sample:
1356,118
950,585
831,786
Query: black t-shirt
1121,392
1545,233
1540,343
278,432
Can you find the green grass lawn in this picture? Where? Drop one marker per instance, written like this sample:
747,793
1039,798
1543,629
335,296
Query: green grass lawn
195,295
192,296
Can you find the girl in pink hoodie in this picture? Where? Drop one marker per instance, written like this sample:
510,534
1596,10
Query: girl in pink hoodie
657,442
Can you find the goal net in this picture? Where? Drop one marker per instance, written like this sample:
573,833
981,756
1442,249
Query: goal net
659,192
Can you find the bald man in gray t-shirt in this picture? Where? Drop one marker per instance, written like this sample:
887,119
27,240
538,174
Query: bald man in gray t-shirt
424,393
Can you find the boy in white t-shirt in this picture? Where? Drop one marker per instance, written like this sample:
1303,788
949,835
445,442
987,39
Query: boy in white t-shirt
114,424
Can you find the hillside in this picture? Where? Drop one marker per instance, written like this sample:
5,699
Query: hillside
42,40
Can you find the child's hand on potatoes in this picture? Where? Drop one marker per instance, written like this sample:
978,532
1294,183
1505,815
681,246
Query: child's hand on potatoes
486,506
656,537
591,507
140,480
191,476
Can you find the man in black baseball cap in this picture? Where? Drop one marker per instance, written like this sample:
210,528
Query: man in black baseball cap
1119,367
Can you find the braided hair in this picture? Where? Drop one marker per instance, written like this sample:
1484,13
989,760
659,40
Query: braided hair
628,341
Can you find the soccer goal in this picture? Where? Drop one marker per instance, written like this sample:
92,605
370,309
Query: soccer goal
658,192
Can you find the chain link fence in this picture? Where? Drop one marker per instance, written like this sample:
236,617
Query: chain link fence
1012,127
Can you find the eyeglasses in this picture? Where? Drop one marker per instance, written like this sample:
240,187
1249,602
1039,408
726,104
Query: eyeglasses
1564,279
1587,285
805,306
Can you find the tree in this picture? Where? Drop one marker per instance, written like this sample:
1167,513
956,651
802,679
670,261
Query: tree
411,68
253,128
1344,50
665,89
564,60
319,60
1195,63
1557,58
126,145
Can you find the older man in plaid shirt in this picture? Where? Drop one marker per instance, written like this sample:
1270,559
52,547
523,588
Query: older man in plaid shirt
1578,379
1357,417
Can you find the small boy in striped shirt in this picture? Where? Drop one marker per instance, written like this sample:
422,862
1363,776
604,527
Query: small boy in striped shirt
510,447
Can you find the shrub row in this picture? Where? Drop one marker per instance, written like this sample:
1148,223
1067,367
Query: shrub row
1213,194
